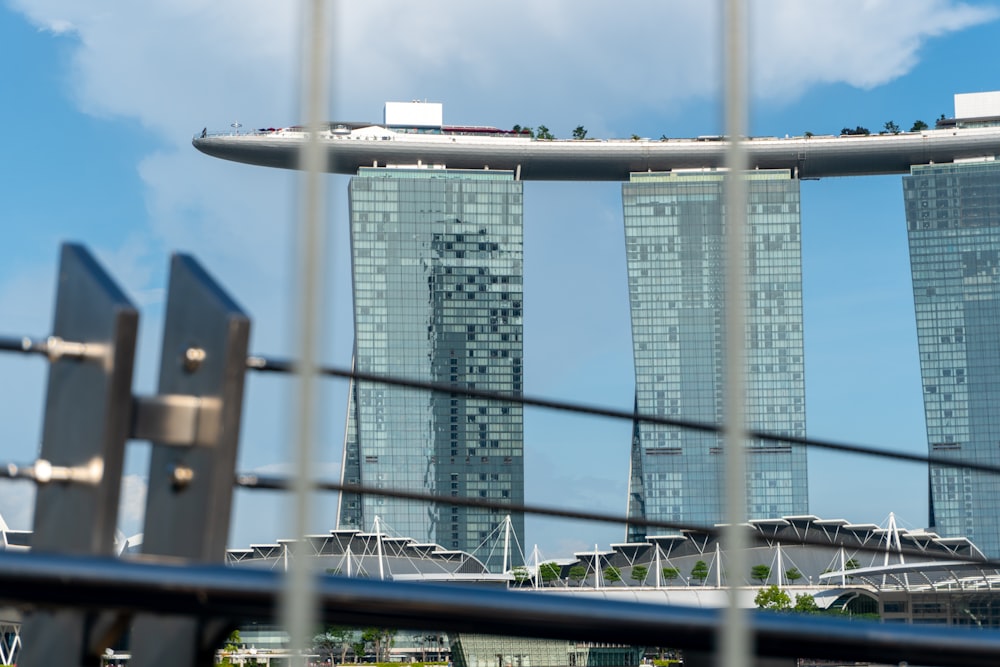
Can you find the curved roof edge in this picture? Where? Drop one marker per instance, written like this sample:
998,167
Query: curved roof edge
609,160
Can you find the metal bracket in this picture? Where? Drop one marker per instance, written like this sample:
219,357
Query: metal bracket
199,402
86,423
177,420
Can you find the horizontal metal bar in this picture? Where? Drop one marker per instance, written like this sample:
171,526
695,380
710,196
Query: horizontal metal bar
42,580
12,344
54,347
43,472
265,364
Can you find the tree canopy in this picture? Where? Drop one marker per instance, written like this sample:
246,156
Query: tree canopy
549,572
805,604
380,640
859,130
772,598
232,642
760,573
335,639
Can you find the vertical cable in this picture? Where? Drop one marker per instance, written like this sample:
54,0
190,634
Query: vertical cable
299,601
735,642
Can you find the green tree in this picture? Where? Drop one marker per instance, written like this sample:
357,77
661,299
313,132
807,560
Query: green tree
793,574
549,572
772,598
345,636
636,137
918,125
543,133
380,640
612,573
335,639
580,132
521,574
700,571
358,646
232,642
857,131
891,127
670,573
639,573
760,573
852,564
808,134
577,573
805,604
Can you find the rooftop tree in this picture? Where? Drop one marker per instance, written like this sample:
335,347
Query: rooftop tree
760,573
700,571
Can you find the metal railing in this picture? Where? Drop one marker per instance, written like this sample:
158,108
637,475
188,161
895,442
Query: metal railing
179,600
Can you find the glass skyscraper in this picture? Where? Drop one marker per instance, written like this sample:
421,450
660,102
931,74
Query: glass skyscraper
953,222
674,240
437,267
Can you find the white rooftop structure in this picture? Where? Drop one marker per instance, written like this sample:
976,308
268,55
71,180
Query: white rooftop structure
977,105
414,114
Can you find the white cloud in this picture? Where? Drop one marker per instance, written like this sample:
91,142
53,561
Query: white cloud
864,43
176,65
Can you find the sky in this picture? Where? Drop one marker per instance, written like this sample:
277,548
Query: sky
100,101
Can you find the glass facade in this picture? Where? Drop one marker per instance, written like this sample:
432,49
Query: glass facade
953,223
674,240
437,266
472,650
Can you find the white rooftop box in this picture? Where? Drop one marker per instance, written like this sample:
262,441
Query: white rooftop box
977,105
414,114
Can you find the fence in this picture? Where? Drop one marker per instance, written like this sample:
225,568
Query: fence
178,601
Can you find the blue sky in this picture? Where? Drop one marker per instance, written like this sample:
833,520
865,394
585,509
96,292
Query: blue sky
100,101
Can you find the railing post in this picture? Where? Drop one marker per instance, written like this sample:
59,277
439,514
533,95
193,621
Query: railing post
205,340
86,424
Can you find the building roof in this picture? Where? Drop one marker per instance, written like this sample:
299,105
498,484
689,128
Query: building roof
806,157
